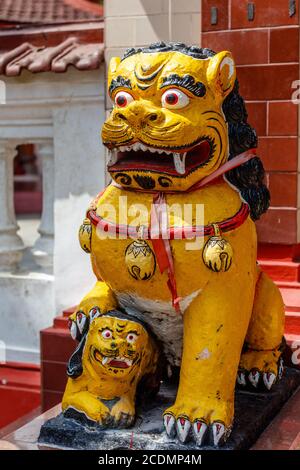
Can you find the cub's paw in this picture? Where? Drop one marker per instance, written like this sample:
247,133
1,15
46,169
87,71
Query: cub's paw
208,423
123,414
260,369
87,404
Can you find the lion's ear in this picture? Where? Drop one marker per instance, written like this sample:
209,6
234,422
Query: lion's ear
112,67
221,73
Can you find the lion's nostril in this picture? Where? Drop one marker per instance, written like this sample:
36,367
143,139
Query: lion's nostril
153,117
121,116
113,345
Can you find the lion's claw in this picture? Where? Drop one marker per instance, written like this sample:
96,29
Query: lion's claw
74,332
81,321
269,379
124,420
219,433
260,369
183,427
254,377
200,431
203,430
241,378
170,425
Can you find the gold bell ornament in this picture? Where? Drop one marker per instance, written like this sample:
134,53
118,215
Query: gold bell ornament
140,260
217,253
85,235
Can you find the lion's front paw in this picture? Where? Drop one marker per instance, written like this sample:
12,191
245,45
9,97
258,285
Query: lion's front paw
260,368
123,413
88,404
80,320
206,423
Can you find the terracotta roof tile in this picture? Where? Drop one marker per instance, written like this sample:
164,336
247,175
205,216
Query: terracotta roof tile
55,59
48,11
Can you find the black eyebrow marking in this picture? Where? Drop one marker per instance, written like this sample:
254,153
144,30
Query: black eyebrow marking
187,81
144,77
120,326
119,82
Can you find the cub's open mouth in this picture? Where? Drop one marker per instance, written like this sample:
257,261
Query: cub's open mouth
117,362
139,156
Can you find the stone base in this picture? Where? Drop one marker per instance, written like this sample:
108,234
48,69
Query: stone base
253,412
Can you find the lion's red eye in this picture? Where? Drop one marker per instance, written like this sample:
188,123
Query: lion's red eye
107,334
174,99
122,99
131,337
171,98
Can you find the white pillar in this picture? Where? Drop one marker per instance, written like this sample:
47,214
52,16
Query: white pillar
43,248
11,245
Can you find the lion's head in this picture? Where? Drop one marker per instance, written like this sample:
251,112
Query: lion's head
116,346
177,117
167,129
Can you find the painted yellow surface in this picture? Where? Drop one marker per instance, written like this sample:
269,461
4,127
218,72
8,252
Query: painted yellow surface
104,379
229,306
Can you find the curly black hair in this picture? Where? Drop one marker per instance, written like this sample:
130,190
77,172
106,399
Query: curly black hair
248,178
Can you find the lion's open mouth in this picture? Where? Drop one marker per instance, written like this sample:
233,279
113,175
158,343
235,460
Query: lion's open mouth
182,161
117,362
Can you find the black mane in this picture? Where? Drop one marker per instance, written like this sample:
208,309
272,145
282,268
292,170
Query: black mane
248,178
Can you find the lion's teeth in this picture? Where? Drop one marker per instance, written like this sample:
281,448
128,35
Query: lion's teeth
104,360
179,162
128,362
113,157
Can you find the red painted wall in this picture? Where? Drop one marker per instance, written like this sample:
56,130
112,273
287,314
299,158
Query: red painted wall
19,391
266,51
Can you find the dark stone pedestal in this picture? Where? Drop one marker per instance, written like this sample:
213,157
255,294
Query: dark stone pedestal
253,412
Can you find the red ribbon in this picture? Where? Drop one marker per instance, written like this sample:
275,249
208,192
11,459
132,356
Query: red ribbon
162,247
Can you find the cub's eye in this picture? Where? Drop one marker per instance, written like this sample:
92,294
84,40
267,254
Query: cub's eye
122,99
131,338
174,99
107,334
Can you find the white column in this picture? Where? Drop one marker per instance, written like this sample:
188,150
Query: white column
43,248
11,245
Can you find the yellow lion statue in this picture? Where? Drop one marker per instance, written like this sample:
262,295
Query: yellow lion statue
115,353
178,138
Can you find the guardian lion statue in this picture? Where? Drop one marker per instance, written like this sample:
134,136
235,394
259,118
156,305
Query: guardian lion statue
178,136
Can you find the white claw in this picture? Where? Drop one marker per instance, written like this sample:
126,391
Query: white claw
254,378
179,162
94,313
241,379
199,428
218,431
280,368
169,422
183,426
73,330
80,319
269,379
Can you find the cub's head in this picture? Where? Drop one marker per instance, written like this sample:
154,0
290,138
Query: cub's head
116,346
167,129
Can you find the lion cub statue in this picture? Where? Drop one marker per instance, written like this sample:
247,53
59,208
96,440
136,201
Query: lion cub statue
178,137
114,354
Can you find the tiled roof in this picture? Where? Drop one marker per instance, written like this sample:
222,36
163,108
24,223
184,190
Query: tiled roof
48,11
55,59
